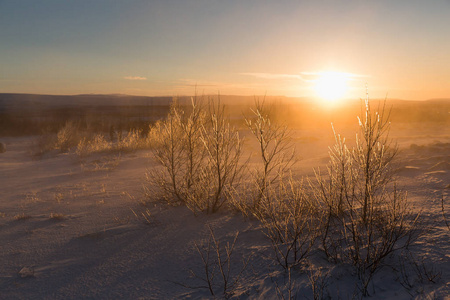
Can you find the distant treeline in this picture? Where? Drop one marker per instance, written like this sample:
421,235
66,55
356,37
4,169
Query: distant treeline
22,114
25,114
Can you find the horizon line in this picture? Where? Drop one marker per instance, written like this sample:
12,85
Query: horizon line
215,95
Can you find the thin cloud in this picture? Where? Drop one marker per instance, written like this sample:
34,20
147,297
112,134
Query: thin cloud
185,82
206,86
312,76
134,78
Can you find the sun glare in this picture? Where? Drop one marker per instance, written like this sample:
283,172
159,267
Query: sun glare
331,86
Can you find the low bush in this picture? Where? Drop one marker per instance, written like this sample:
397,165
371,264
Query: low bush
132,141
95,145
68,136
88,142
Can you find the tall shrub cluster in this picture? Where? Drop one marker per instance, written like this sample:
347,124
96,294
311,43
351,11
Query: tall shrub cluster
199,152
366,218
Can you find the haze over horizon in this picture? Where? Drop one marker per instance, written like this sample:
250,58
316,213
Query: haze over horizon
280,48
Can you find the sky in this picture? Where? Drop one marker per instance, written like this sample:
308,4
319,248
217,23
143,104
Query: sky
400,49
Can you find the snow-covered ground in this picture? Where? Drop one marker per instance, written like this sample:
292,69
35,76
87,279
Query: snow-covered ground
73,229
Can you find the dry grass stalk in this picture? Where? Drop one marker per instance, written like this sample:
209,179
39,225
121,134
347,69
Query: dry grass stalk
146,215
287,288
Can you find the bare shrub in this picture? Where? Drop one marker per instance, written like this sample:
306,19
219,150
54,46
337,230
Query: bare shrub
318,281
178,150
290,220
426,273
199,153
285,291
222,168
412,273
274,142
220,275
366,218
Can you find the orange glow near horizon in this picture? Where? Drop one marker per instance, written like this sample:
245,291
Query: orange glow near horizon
331,87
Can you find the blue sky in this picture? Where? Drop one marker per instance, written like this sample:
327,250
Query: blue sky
399,48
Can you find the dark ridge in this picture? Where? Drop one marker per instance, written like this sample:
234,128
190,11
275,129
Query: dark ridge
25,114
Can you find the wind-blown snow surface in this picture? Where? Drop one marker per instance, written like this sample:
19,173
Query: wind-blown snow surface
74,229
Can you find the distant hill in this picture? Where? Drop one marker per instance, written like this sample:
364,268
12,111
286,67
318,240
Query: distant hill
37,100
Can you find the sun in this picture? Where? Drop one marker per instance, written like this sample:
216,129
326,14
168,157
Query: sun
331,86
